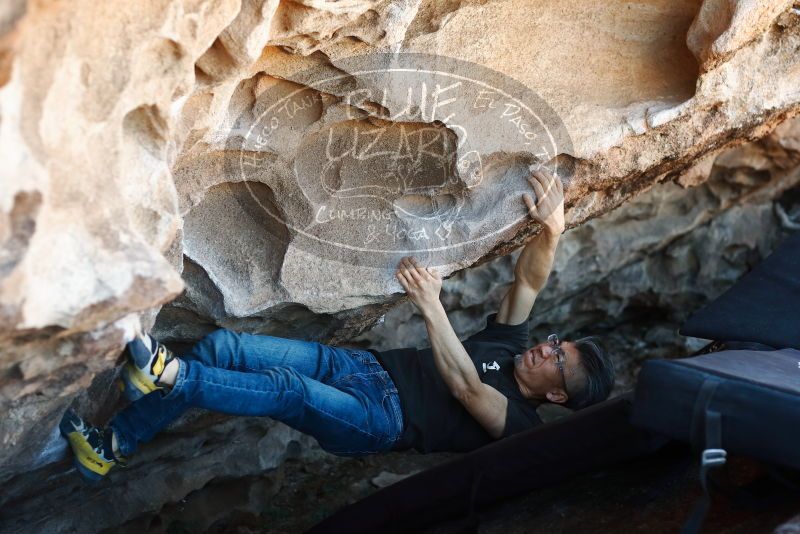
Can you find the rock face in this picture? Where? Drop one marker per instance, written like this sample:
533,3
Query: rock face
261,165
633,276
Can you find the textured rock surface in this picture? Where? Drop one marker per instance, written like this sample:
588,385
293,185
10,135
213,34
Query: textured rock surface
699,241
634,275
119,125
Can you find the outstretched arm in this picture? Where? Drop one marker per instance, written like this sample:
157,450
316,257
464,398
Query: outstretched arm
487,405
536,260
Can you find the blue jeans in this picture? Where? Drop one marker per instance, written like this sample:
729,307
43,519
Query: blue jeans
342,397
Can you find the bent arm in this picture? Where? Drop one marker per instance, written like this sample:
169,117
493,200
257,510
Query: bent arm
487,405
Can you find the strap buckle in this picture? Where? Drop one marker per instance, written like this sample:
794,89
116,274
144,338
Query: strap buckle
713,457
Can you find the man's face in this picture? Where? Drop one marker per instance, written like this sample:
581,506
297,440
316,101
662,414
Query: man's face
538,375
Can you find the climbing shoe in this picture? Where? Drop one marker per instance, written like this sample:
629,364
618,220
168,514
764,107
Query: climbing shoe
147,359
91,446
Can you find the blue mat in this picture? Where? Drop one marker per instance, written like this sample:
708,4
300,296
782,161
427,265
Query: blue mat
762,307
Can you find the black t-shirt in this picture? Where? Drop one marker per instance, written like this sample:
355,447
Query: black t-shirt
434,419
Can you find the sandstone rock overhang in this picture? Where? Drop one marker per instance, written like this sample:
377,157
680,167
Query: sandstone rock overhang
109,148
115,129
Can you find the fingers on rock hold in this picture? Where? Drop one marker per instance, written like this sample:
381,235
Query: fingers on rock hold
528,200
538,188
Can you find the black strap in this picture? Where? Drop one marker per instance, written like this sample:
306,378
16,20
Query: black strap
707,437
699,434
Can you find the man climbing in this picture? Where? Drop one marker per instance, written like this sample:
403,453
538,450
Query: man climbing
453,396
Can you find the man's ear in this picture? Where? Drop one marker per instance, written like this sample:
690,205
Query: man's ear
557,395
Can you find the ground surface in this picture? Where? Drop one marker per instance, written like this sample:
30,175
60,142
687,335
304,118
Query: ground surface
651,495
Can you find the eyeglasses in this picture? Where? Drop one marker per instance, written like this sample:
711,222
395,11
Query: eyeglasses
561,357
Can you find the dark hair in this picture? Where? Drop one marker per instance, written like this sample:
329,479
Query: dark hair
599,371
